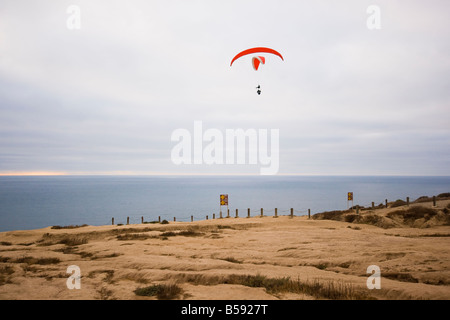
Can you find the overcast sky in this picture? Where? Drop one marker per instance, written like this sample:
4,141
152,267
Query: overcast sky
106,98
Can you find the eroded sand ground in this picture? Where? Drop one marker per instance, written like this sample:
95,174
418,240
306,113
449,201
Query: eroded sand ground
201,258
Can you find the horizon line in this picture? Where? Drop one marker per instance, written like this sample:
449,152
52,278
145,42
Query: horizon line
125,173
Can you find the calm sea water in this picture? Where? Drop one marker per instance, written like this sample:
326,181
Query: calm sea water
30,202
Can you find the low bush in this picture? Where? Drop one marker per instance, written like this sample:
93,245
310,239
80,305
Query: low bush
397,203
413,213
330,215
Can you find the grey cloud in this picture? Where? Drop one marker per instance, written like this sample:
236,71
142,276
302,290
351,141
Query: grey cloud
107,97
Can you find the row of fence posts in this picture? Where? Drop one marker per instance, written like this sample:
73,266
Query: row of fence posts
248,214
276,212
228,215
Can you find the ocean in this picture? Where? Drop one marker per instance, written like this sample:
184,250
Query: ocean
31,202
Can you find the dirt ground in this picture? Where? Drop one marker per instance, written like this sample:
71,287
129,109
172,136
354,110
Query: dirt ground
235,258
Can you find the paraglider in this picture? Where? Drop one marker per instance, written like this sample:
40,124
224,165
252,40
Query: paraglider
257,60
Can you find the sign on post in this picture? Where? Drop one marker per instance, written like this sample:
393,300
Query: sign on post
349,198
224,200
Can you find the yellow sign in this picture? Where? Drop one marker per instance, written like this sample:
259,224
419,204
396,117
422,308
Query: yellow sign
223,199
350,196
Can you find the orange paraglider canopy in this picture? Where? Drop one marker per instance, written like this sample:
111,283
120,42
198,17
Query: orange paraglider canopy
256,50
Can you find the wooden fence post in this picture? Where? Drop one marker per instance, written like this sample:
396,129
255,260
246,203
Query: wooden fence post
248,213
386,203
113,221
407,201
373,205
434,201
192,218
309,213
206,217
292,212
159,219
142,220
228,213
237,215
262,212
214,215
174,219
276,212
128,220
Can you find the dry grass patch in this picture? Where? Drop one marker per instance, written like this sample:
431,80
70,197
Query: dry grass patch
413,213
416,216
420,217
134,236
161,291
184,233
231,259
105,294
336,290
336,215
5,273
40,261
73,240
68,227
434,235
404,277
136,276
109,275
66,239
161,236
